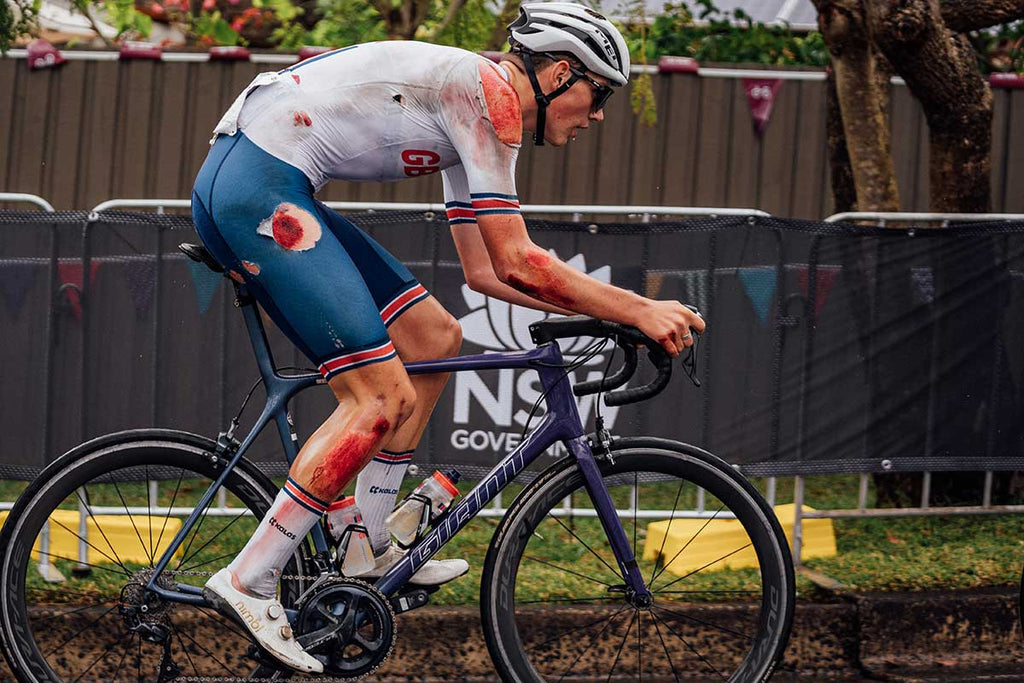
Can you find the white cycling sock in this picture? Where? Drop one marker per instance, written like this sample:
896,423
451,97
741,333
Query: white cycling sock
376,490
289,519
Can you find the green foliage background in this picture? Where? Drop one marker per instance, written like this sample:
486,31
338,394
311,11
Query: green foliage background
694,28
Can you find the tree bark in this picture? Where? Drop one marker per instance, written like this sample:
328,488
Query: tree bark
941,70
970,15
862,98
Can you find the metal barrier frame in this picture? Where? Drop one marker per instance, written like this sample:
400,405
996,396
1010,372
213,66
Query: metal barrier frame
29,198
645,213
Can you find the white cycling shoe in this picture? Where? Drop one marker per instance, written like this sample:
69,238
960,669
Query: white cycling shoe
433,573
265,620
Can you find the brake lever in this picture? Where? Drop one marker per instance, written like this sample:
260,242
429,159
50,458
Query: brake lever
690,361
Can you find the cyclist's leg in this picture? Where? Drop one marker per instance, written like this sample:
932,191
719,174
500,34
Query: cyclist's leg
258,217
420,328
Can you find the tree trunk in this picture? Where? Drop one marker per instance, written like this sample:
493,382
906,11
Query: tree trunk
499,34
941,70
402,21
862,97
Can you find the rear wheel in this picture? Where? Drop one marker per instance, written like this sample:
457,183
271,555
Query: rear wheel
81,543
554,601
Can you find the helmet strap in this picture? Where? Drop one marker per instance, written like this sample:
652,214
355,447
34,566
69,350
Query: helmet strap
543,100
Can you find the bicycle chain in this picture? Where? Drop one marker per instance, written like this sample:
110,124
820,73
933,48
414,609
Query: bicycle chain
238,679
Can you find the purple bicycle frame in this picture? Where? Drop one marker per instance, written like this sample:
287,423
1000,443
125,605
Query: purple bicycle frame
561,423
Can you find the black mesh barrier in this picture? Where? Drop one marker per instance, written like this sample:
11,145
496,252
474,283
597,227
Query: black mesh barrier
831,348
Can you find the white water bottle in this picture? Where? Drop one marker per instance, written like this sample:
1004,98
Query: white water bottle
431,498
345,523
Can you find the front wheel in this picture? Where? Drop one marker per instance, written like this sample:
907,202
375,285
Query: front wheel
81,543
554,602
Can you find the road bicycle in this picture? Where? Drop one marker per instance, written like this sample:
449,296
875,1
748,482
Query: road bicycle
103,558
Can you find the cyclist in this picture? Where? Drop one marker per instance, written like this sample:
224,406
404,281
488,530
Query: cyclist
387,111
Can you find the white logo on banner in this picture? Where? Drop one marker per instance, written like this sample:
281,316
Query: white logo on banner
500,411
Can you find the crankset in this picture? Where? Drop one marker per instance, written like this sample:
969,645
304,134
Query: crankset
348,625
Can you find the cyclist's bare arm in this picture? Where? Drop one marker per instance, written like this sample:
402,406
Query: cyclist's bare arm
480,276
525,267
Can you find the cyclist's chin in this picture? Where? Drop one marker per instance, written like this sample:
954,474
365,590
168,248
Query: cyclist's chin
560,139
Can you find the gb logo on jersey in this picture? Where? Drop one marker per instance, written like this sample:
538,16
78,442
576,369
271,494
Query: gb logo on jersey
420,162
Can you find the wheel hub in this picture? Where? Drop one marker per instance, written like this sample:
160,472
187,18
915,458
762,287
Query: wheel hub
348,625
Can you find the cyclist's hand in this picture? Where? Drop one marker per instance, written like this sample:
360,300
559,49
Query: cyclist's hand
669,323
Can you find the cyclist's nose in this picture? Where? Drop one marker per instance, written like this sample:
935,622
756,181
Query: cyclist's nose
597,116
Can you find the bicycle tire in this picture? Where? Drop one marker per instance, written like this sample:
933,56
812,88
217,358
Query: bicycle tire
512,627
88,472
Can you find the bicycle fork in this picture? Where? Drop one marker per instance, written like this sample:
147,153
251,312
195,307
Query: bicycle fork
637,590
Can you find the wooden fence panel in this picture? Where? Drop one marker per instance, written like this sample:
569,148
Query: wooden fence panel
94,130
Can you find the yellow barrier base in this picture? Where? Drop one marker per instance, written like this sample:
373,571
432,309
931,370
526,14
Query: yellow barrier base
723,543
119,539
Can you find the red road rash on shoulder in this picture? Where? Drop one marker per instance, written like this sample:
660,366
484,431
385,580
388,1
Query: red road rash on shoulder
301,118
342,463
292,227
503,108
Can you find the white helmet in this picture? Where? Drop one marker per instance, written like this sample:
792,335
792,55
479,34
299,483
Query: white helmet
554,27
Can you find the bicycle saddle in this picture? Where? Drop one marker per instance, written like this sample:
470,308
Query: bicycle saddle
199,254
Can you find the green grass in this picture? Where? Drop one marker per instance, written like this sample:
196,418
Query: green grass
873,554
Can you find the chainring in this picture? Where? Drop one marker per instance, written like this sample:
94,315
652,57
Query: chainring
348,625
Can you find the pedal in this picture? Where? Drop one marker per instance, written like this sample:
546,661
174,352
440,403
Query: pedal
412,599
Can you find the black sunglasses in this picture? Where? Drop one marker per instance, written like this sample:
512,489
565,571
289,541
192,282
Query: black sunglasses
601,91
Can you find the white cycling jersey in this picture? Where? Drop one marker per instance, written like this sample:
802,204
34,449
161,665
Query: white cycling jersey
388,111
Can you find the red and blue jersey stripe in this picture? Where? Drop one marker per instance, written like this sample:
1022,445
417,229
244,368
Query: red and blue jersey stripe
357,359
492,203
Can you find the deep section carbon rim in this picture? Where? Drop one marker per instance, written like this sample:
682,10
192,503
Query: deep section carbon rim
84,546
556,606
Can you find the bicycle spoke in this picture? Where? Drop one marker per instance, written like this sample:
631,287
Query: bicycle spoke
185,650
715,591
101,656
195,534
664,539
639,651
614,571
692,538
696,571
86,541
618,654
131,519
214,538
668,655
703,622
578,628
211,655
63,615
88,508
149,517
694,651
596,597
592,640
223,620
568,571
79,631
193,567
170,506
